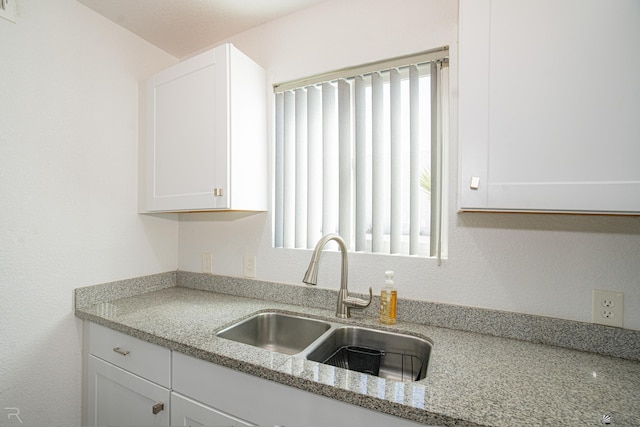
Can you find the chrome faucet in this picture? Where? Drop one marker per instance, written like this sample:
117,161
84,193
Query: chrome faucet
345,302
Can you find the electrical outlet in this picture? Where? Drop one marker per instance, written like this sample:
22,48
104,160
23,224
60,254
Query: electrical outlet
207,262
607,308
249,266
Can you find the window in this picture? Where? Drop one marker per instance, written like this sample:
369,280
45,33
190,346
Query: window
359,153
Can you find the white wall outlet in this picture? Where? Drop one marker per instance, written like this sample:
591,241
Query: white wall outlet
607,308
207,262
249,266
8,10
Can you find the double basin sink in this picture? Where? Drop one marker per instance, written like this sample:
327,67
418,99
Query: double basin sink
391,355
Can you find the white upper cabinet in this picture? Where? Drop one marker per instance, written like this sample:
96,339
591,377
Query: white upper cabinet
549,106
206,141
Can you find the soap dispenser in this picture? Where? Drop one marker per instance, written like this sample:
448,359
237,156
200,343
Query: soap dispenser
388,300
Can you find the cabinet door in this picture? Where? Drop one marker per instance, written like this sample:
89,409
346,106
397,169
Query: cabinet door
266,402
548,106
117,397
187,134
187,412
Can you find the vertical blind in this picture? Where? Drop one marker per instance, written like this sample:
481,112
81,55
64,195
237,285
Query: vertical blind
359,153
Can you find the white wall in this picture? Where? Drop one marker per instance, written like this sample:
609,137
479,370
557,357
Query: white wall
537,264
68,194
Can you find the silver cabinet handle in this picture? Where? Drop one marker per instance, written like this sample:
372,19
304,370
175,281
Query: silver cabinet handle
157,408
119,351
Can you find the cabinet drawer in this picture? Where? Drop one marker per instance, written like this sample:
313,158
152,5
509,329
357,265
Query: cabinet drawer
142,358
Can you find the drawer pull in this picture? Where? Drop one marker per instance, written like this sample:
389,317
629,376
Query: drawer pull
157,408
119,351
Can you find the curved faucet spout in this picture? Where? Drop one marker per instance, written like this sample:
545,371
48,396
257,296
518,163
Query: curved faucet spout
345,302
311,277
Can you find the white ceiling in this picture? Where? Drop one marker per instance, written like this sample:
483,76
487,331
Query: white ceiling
182,27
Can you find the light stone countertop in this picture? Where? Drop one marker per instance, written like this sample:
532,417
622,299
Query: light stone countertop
473,379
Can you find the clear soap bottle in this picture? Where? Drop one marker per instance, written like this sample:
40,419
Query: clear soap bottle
388,300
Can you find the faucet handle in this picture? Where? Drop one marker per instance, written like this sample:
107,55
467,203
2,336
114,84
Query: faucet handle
357,302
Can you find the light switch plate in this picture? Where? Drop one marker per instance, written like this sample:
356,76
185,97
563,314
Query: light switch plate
607,308
8,10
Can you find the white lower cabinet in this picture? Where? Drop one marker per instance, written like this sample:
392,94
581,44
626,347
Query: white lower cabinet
131,382
248,399
120,398
188,412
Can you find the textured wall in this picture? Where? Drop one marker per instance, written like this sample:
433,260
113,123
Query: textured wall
68,194
536,264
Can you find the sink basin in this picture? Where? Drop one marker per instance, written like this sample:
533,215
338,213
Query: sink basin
276,332
389,355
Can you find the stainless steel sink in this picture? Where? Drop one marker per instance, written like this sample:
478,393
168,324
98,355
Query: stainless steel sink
276,332
390,355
